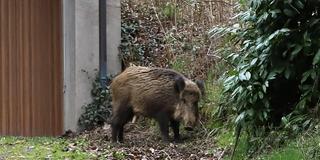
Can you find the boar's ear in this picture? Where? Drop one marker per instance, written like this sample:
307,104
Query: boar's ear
179,84
200,84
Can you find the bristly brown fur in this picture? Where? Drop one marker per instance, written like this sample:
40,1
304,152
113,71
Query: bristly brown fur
151,92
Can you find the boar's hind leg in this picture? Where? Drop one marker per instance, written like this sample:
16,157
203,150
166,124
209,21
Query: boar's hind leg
163,121
115,130
123,115
175,127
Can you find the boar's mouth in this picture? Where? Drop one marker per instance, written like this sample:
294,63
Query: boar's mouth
188,128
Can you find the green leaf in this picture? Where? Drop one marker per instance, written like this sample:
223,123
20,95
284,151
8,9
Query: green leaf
265,115
284,120
250,112
240,118
288,1
248,75
314,21
288,12
242,77
260,95
295,9
306,38
264,88
259,46
254,61
313,75
275,12
266,83
316,58
301,105
287,73
272,75
299,4
306,123
305,76
296,50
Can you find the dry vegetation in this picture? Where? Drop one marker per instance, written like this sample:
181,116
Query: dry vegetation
160,33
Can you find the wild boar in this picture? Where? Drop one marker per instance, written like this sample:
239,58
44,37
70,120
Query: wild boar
162,94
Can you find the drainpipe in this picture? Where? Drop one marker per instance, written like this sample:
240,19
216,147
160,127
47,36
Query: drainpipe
103,43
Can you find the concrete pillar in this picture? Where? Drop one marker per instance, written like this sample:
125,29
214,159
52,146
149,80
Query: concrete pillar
81,46
113,36
87,51
81,52
69,64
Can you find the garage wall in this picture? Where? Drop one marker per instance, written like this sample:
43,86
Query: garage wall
31,68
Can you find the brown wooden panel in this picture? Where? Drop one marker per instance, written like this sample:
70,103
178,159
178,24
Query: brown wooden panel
31,67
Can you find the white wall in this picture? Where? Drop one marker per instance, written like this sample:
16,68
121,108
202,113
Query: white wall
69,63
113,36
81,50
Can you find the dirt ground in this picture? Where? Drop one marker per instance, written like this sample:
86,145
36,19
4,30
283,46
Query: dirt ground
145,143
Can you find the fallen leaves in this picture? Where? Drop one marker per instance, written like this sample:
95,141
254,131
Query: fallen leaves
145,143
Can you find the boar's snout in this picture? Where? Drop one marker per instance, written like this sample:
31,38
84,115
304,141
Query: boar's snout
190,119
189,126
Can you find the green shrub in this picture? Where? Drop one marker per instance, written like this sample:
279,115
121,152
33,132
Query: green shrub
141,39
276,70
96,113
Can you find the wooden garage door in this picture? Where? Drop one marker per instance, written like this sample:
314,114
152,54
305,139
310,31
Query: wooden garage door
30,67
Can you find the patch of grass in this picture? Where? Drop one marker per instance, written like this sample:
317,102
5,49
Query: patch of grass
41,148
306,146
180,64
213,96
287,153
303,147
118,155
225,139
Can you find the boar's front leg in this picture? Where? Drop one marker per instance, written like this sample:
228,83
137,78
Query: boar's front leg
175,127
163,121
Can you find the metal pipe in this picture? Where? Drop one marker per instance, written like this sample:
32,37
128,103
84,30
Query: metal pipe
103,43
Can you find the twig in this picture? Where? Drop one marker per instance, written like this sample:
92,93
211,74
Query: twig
166,154
175,13
216,1
209,47
154,9
222,154
212,55
209,134
205,129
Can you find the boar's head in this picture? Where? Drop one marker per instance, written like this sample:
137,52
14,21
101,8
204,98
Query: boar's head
189,96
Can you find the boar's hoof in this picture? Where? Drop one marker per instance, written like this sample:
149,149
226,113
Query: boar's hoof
177,140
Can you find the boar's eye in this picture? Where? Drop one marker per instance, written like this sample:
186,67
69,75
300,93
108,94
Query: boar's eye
184,100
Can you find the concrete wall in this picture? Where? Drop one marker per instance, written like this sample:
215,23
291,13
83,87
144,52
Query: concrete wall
69,63
113,36
87,50
81,52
